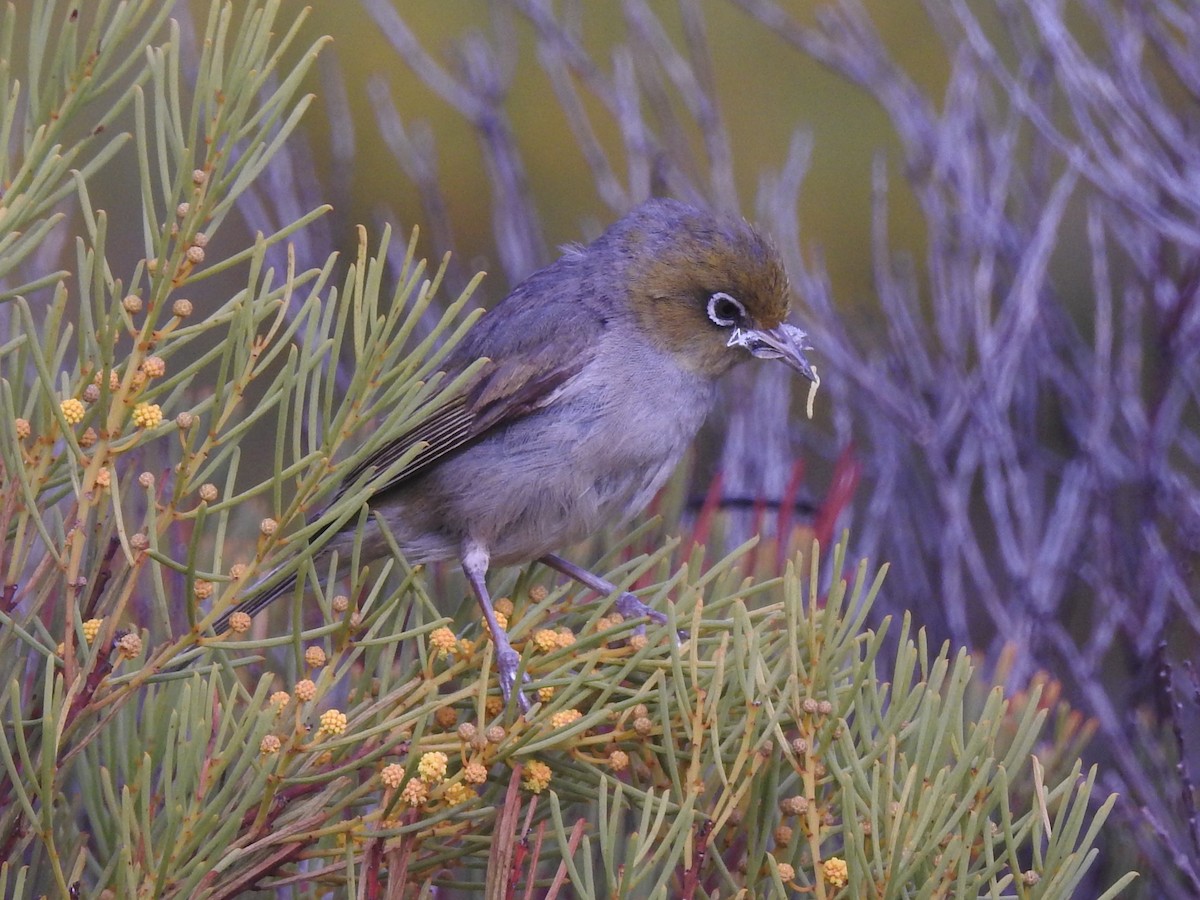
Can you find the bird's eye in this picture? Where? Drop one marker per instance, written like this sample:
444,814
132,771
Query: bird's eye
725,310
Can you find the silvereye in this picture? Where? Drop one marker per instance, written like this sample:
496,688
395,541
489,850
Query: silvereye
601,368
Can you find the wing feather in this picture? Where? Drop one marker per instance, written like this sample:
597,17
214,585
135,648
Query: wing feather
531,354
502,394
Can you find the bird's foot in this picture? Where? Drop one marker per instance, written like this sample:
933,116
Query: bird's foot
508,661
631,607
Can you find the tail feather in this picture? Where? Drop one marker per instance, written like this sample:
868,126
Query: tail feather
261,599
255,603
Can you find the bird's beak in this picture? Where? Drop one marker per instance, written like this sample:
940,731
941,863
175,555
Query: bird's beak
783,342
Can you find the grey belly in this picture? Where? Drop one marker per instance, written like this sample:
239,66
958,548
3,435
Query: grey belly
548,480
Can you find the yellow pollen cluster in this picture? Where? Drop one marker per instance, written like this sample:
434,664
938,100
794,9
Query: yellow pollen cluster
333,721
202,589
415,793
72,411
537,776
314,656
565,717
504,606
239,622
147,415
154,366
305,690
545,639
565,636
270,744
458,793
787,871
104,477
836,872
280,699
442,641
392,775
618,760
23,429
91,628
475,773
129,646
432,767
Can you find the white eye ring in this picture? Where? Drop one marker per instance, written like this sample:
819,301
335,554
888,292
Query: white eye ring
720,303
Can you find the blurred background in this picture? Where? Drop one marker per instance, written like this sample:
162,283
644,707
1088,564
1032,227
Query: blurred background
991,217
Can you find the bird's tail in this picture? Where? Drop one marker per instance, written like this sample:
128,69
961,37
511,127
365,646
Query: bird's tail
255,603
262,597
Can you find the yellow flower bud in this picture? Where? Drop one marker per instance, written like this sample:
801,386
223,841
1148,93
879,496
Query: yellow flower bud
314,656
333,721
432,766
269,744
536,777
129,646
305,690
72,410
147,415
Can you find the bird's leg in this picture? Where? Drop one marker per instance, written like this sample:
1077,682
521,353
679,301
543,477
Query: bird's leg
627,604
475,560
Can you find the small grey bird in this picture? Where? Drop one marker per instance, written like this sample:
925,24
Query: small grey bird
602,367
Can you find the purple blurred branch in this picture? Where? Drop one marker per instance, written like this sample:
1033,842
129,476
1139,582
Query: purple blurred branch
1030,445
479,97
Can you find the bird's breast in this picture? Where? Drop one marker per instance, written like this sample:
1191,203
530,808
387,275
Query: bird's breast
592,458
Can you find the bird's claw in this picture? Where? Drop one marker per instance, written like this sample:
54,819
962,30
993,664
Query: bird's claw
508,661
632,607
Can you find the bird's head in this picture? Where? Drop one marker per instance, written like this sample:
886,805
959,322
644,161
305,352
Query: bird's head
707,288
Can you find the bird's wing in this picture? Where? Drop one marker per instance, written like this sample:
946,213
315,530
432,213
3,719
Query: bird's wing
527,364
502,393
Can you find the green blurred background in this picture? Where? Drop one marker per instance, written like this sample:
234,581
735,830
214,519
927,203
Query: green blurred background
765,88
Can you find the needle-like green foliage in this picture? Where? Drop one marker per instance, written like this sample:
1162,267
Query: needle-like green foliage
757,745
